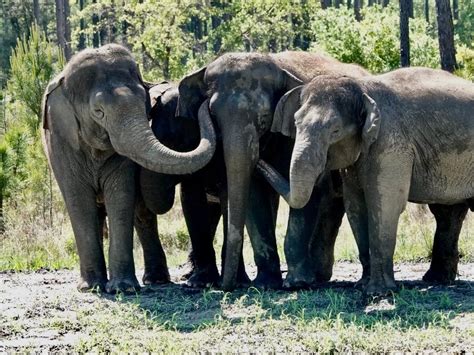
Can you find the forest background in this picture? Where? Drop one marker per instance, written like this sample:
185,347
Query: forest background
169,39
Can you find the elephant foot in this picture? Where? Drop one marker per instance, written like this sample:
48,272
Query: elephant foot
381,287
362,283
298,280
243,280
441,276
323,276
268,280
203,277
92,284
125,285
156,277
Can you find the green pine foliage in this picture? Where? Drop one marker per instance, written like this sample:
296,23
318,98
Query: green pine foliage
33,63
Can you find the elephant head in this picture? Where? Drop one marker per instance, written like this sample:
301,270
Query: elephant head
237,84
332,120
100,101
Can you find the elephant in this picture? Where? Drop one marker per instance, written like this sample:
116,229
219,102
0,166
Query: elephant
402,136
201,194
95,130
243,90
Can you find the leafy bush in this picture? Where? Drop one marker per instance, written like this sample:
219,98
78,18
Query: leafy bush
465,59
373,42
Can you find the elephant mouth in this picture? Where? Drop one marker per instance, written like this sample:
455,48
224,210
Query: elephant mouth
101,142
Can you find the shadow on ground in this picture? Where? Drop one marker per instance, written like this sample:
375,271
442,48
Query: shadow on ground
417,304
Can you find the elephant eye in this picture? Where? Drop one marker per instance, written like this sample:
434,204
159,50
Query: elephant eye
99,114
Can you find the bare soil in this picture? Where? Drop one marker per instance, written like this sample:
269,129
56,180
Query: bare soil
41,310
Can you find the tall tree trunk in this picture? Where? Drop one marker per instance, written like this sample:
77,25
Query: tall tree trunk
447,49
455,10
36,12
301,27
124,28
112,22
82,26
411,11
95,22
326,3
337,3
404,33
103,33
385,3
215,22
357,7
370,3
63,29
427,10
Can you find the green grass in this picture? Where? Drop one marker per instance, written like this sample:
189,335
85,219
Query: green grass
175,320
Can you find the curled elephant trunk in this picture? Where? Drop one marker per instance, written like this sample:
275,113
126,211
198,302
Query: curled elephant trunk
138,143
303,176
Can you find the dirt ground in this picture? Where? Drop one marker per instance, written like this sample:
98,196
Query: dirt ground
40,310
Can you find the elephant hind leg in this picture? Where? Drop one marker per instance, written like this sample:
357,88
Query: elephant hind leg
445,256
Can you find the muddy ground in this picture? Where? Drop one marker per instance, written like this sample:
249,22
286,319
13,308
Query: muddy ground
41,310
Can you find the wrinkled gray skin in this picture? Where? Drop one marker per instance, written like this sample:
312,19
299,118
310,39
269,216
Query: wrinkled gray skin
244,89
402,136
95,108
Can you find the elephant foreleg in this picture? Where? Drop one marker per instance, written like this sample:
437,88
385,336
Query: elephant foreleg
119,194
202,218
329,218
261,224
356,209
156,269
300,232
386,192
445,256
81,204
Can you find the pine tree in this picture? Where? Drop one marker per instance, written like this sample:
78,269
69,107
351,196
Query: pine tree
63,29
405,33
447,49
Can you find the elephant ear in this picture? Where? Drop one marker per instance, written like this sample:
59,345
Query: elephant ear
147,86
192,93
371,128
290,80
284,116
58,115
156,91
53,85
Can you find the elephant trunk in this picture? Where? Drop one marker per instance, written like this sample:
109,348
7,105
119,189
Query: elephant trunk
137,141
304,174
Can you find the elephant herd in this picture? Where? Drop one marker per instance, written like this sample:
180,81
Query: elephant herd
330,138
